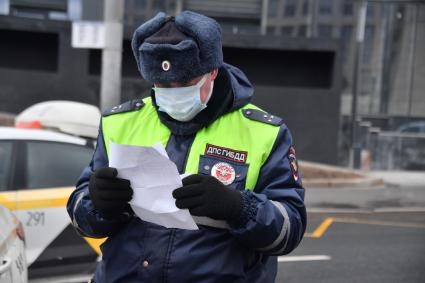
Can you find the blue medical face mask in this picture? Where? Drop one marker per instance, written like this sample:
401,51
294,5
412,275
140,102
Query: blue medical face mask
182,103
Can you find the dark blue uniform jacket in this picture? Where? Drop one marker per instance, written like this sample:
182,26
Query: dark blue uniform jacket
138,251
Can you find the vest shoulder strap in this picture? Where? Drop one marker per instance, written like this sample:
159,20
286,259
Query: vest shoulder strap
132,105
261,116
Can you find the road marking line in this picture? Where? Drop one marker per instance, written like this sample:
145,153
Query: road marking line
95,243
379,223
322,228
303,258
366,210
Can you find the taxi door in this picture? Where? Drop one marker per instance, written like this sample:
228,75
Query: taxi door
7,202
38,196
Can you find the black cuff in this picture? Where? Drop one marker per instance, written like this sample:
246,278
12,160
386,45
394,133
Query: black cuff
248,210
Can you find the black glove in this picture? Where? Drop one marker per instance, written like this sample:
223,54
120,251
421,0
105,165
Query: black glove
108,193
204,195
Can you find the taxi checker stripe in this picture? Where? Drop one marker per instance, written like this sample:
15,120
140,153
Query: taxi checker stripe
286,227
36,198
41,199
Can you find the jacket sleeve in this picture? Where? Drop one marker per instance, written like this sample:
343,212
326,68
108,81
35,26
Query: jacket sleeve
274,217
87,220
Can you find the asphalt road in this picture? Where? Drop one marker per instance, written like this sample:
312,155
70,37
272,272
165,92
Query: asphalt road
361,235
359,247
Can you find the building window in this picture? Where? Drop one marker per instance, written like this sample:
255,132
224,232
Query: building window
368,44
290,8
346,35
325,31
325,7
347,8
4,7
284,68
39,9
272,31
27,50
370,11
159,6
305,7
140,5
346,32
272,8
287,31
302,31
75,10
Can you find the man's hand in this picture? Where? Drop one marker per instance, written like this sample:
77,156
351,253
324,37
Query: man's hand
108,193
204,195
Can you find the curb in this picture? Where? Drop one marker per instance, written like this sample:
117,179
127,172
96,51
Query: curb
337,177
365,182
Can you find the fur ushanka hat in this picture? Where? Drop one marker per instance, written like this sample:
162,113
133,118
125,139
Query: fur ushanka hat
177,49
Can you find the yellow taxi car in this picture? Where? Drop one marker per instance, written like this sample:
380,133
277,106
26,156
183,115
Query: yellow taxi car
38,170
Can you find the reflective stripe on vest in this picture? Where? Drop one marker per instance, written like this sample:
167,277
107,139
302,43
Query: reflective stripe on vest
232,132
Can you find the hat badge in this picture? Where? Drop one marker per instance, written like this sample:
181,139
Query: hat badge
166,65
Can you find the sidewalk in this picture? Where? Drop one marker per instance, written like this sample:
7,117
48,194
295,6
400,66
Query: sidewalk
331,188
402,191
317,175
400,178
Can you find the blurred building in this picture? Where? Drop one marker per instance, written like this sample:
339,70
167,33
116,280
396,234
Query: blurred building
290,50
406,79
392,67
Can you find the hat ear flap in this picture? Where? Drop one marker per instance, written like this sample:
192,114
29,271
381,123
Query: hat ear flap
144,31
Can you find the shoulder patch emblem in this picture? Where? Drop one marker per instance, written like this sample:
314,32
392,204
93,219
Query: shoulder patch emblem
260,116
293,163
132,105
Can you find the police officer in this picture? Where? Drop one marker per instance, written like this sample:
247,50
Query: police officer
244,190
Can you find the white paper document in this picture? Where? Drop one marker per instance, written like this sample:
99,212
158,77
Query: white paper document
153,177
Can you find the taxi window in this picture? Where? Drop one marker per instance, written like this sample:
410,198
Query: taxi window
51,164
5,163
